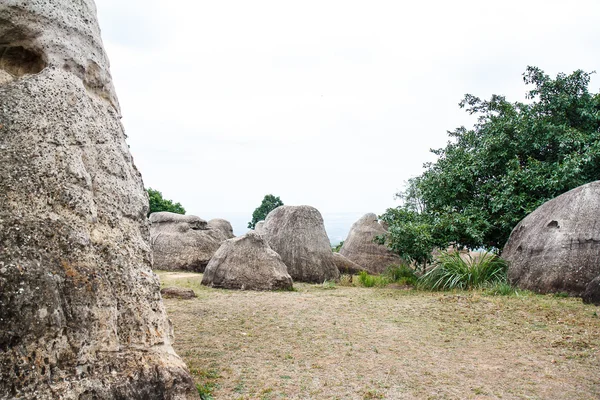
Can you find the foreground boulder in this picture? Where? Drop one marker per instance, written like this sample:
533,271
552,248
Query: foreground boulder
556,248
297,234
247,263
182,242
81,316
223,226
360,247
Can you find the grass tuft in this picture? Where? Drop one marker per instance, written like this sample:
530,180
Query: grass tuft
451,271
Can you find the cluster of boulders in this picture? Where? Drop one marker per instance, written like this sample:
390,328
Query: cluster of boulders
290,245
556,248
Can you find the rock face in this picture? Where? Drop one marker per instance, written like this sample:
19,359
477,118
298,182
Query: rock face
80,309
360,248
556,248
247,263
591,295
297,234
223,226
258,228
346,266
182,242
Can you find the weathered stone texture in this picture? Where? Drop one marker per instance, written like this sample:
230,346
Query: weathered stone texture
297,234
80,310
247,263
556,248
182,242
361,248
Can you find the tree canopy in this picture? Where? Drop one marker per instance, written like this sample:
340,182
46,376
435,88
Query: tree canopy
269,203
158,203
516,157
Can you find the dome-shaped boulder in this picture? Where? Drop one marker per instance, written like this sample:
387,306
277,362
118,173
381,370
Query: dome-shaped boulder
247,263
556,248
298,235
223,226
361,248
182,242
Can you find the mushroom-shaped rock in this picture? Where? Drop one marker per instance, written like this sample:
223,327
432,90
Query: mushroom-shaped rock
223,226
591,295
81,316
346,266
247,263
298,234
556,248
361,248
182,242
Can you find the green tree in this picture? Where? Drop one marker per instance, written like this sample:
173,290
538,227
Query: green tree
157,203
516,157
268,204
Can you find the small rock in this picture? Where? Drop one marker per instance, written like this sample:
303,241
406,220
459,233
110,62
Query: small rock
176,292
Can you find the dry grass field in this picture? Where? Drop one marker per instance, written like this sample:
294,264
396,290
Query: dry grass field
338,342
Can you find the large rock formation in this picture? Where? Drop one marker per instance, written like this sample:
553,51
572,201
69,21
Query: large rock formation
81,316
182,242
297,234
346,266
360,247
223,226
556,248
247,263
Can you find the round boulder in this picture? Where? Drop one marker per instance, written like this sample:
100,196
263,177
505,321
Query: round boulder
247,263
298,234
223,226
556,248
182,242
361,248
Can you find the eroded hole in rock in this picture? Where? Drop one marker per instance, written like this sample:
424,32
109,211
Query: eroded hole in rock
19,61
553,224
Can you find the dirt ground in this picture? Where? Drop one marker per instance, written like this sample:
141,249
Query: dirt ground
369,343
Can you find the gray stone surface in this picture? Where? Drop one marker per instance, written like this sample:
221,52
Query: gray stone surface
591,295
182,242
345,266
360,248
297,234
80,309
556,248
247,263
223,226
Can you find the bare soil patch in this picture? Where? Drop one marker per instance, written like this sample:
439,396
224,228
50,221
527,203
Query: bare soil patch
320,342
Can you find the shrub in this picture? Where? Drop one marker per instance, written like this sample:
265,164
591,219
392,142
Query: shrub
401,274
451,271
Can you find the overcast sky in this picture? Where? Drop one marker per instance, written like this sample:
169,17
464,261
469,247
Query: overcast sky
333,104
